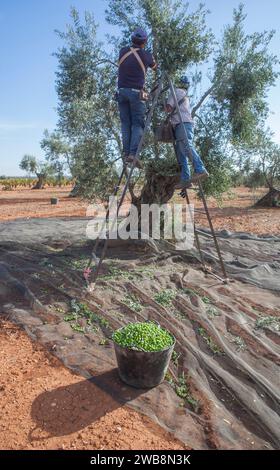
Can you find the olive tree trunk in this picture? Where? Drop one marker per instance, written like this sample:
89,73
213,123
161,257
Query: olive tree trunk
157,189
40,182
271,199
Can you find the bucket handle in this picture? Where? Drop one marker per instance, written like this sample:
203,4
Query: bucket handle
138,348
153,321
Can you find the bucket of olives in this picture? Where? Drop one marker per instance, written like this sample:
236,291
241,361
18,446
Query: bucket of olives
143,352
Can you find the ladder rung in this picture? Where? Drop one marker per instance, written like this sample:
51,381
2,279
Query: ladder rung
193,188
223,279
210,255
204,233
200,211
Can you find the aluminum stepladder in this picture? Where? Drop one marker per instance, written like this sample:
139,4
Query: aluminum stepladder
224,279
157,92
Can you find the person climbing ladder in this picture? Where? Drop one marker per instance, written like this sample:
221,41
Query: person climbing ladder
133,64
180,135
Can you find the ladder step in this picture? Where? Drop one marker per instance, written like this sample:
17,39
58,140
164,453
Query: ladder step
204,233
193,188
198,211
210,256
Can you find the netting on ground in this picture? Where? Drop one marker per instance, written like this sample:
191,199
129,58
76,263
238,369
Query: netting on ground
222,390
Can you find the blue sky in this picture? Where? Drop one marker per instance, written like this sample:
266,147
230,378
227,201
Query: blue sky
27,67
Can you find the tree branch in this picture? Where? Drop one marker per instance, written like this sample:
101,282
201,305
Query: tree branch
202,99
203,123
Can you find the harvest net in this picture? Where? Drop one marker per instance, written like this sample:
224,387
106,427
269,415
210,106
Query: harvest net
222,389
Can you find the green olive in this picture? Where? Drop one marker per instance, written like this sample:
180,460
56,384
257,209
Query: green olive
146,336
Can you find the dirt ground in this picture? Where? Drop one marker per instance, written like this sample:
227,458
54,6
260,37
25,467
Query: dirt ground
235,214
28,371
222,391
46,406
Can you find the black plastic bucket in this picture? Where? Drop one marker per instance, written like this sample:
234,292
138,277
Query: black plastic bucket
142,369
54,201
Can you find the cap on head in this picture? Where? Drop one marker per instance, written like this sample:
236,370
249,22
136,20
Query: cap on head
184,80
139,36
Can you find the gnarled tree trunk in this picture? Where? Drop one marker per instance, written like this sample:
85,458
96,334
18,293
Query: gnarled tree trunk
74,191
158,189
41,181
271,199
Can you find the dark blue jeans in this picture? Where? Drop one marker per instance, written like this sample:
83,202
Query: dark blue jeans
132,114
182,150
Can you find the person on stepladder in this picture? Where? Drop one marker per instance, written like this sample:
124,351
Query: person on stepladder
200,172
131,96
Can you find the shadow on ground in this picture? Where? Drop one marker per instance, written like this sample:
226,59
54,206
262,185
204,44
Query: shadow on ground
66,410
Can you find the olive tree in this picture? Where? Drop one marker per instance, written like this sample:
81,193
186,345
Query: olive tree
32,166
57,152
228,114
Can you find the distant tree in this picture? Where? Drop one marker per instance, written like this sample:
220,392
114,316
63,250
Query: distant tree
268,167
42,170
228,114
268,162
58,153
255,179
29,164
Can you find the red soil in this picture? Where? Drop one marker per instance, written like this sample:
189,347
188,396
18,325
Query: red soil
28,371
236,213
